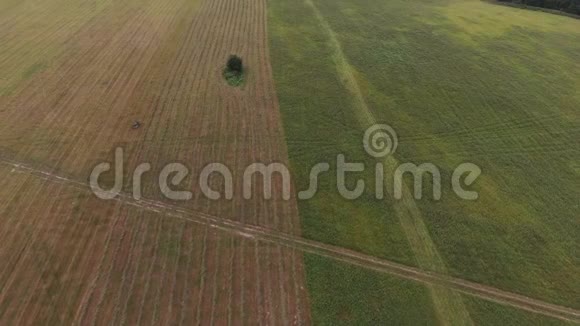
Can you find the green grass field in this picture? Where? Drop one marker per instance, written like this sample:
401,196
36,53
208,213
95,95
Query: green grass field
347,295
342,294
460,81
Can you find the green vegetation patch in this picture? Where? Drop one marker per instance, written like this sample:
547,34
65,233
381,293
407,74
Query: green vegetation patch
320,124
460,81
233,78
34,69
234,71
485,313
343,294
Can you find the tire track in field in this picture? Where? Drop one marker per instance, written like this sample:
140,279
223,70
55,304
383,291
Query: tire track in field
449,305
259,235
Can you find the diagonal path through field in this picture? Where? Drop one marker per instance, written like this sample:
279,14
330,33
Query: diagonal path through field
448,304
248,231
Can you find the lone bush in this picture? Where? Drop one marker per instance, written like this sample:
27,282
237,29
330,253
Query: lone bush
234,71
235,64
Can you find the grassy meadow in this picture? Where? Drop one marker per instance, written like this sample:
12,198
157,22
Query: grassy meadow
460,81
343,294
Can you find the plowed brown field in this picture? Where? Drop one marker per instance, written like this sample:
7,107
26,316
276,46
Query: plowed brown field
76,82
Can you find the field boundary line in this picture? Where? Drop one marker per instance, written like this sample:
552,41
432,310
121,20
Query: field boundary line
336,253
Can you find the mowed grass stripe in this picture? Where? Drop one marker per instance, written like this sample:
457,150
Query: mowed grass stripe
275,139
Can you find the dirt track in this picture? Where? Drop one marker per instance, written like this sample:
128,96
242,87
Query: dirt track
70,257
265,235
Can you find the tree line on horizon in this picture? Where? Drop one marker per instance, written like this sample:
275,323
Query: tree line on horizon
569,6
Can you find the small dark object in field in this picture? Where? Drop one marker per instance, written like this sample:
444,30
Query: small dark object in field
136,125
235,64
234,71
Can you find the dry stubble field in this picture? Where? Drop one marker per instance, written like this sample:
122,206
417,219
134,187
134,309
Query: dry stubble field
76,74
